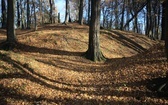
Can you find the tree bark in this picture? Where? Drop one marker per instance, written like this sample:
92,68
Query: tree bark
81,12
51,11
18,14
67,12
35,17
4,14
122,17
166,28
28,14
94,53
11,40
11,37
163,20
89,1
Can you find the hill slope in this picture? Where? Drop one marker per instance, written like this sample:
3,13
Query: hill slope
47,68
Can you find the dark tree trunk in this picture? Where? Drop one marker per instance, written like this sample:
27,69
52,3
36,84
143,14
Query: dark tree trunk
166,29
51,11
11,37
81,12
35,17
28,14
89,1
116,15
67,12
163,20
122,17
149,20
135,15
4,14
18,14
59,20
9,44
93,53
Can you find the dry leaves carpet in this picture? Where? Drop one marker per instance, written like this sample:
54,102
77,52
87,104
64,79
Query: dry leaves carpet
47,68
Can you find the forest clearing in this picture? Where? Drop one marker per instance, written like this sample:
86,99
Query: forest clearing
47,67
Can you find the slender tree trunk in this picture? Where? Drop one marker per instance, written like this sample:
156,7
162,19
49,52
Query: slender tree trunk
4,14
67,12
51,11
93,53
81,12
35,17
23,25
136,14
89,1
18,14
122,17
116,15
163,20
59,20
28,14
11,37
166,29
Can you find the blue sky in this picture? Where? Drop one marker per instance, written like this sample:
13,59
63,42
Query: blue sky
60,4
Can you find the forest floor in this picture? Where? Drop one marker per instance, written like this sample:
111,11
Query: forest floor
47,68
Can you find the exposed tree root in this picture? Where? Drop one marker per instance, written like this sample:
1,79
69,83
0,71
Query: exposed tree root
98,57
7,45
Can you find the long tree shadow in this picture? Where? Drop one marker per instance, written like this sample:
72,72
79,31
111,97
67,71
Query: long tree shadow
42,50
100,89
125,41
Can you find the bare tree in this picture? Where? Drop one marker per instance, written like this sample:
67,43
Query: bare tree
28,14
166,27
67,12
94,53
9,44
4,13
81,12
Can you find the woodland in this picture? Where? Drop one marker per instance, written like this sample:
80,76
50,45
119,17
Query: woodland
103,52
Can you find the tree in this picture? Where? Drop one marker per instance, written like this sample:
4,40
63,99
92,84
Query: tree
9,44
89,11
28,14
4,14
81,12
163,20
18,14
94,53
11,37
67,11
166,27
35,17
51,11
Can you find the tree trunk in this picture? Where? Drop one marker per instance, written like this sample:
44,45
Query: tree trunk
81,12
93,53
35,18
116,15
11,37
135,15
166,29
28,14
18,14
51,11
149,20
163,20
89,1
4,14
122,17
67,12
23,25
